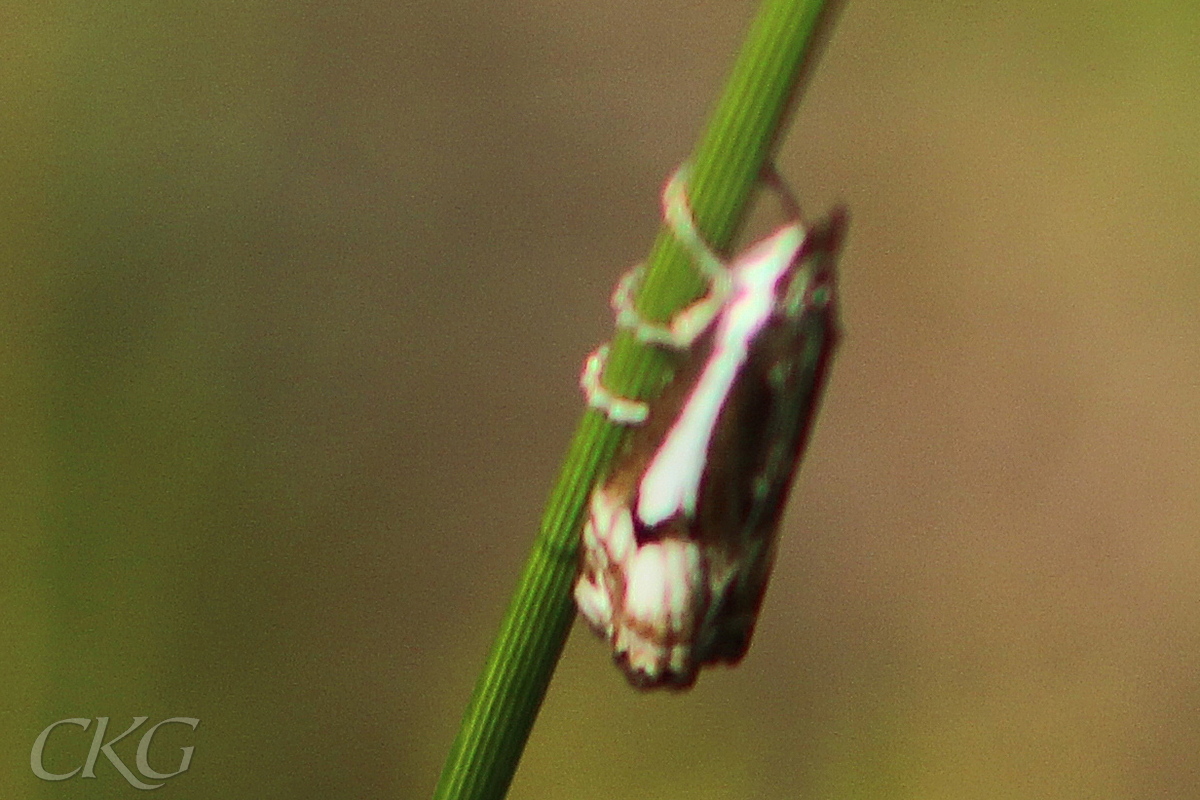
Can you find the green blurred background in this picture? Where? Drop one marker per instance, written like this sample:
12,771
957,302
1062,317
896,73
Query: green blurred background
292,304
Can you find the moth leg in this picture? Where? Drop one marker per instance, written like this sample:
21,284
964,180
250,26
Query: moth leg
686,325
772,178
621,410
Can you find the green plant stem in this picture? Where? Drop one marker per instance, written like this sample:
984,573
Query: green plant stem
725,168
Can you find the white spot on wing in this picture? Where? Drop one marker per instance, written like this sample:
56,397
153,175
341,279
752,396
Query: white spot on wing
608,543
664,597
672,480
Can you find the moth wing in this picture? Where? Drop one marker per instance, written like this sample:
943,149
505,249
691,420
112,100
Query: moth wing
791,358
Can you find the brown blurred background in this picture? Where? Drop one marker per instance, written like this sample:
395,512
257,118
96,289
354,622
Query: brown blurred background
294,297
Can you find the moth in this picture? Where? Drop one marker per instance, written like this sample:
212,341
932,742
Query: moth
680,536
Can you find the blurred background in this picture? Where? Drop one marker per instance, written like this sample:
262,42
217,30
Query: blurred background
293,302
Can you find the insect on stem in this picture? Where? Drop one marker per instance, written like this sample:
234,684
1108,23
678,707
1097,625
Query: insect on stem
680,536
